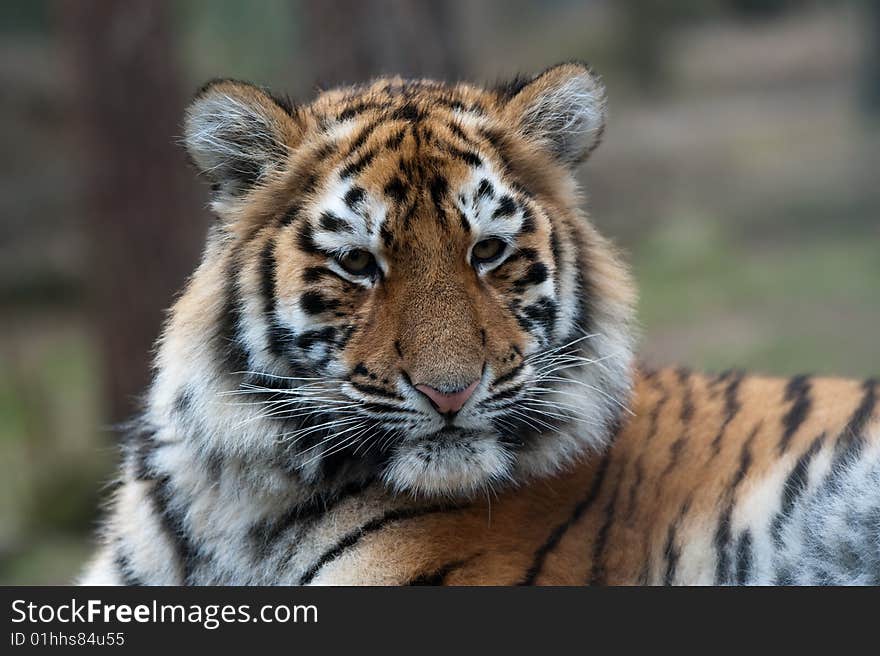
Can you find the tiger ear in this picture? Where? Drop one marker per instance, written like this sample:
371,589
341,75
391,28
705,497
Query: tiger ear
236,134
562,110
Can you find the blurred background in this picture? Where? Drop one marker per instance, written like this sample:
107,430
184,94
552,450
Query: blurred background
739,171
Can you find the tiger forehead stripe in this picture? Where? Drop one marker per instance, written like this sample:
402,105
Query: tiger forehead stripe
380,132
348,217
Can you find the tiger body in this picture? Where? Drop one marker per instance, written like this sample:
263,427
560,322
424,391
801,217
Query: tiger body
727,479
407,357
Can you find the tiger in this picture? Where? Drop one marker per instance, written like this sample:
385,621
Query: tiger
408,358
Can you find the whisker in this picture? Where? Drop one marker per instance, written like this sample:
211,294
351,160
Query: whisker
561,415
527,418
297,413
355,426
539,354
569,363
336,447
582,383
277,377
302,432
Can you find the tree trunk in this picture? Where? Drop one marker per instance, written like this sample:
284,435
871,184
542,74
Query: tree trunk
140,214
350,41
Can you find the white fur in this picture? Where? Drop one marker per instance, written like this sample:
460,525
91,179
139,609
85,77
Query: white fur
569,117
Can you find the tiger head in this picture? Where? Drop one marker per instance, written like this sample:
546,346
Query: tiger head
400,285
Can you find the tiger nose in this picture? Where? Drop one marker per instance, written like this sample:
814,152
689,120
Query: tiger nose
448,403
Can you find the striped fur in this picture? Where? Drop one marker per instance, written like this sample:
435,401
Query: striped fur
285,442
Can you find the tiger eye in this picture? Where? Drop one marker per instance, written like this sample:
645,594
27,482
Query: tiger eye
487,250
358,262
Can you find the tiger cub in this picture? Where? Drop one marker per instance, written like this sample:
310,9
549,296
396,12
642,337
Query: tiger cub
407,357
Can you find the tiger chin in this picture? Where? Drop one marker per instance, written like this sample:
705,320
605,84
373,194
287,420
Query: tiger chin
402,314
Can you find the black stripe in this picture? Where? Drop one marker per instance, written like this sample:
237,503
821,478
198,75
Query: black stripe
229,344
375,391
315,274
266,533
598,569
634,488
503,378
351,539
313,303
125,569
687,401
439,187
276,334
183,401
382,407
289,216
675,450
555,252
685,415
528,223
744,558
528,254
671,550
395,189
852,438
310,338
456,129
534,275
484,190
500,396
856,425
438,576
499,141
174,525
732,407
395,140
387,236
795,485
463,220
409,112
585,289
557,534
671,554
358,108
653,425
469,157
332,223
723,533
543,312
354,196
362,137
745,458
655,412
140,446
409,213
305,239
797,392
506,207
358,165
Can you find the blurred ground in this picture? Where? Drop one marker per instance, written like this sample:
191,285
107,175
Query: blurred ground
738,171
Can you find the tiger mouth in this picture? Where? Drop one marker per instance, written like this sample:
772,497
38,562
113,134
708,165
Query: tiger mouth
451,434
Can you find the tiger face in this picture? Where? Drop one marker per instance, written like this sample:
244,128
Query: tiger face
400,285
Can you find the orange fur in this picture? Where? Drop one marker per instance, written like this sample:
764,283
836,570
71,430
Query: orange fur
622,533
